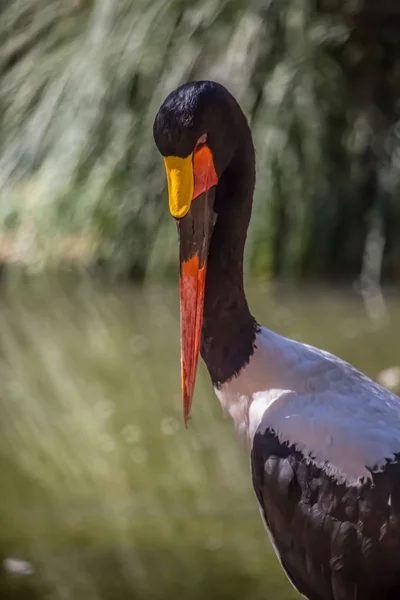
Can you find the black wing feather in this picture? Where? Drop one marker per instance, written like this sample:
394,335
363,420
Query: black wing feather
335,542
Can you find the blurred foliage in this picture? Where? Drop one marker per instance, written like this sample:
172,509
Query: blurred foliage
81,81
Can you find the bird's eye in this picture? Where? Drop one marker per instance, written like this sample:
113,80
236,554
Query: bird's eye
201,141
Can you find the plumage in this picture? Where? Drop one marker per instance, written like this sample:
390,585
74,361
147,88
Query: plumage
332,413
325,444
324,439
334,541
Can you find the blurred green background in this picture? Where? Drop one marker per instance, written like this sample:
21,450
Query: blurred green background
103,493
81,81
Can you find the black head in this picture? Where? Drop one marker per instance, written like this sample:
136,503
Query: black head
196,109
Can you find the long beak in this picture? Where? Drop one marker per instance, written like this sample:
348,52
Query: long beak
191,188
195,231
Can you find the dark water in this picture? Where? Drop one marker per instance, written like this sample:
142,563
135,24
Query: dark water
103,490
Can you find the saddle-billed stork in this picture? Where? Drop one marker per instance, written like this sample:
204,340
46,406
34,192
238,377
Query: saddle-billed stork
324,438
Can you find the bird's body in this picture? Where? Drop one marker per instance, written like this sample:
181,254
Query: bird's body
324,445
324,438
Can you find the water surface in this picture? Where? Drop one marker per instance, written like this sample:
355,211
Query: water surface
103,490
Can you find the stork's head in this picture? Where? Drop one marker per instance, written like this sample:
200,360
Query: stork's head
195,132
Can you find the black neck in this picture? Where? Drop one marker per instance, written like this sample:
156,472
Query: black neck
229,330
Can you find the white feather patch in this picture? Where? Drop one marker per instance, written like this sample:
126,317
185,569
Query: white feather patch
334,415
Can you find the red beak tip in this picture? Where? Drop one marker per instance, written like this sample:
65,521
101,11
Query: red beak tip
192,288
